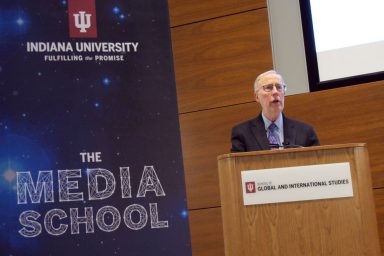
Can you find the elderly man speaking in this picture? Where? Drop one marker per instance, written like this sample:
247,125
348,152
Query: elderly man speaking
271,129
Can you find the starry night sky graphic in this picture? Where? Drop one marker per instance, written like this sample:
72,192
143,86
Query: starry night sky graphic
127,110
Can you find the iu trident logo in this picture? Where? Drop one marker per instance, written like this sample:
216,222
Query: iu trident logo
82,18
82,21
250,187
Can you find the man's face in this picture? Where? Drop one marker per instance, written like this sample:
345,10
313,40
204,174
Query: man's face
271,102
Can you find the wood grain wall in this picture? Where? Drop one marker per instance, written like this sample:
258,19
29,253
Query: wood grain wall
219,48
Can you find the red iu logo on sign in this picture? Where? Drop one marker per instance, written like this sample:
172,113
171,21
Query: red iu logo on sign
250,187
82,18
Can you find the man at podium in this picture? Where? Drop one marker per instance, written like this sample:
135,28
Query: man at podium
271,129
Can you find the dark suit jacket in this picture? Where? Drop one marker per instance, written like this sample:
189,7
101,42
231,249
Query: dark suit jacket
251,135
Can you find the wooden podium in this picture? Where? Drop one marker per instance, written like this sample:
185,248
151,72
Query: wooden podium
340,226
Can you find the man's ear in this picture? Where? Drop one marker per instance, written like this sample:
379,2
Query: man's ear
256,97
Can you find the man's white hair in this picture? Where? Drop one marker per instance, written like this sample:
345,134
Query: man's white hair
257,84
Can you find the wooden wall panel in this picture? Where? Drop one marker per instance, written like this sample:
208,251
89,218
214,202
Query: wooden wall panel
188,11
205,135
379,201
216,61
206,232
349,114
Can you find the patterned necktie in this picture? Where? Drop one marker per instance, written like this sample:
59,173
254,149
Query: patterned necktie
273,135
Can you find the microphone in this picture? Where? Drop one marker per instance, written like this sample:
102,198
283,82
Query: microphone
286,144
275,146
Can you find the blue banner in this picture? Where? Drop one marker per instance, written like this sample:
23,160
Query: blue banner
90,153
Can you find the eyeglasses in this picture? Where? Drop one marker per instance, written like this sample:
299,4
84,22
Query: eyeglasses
279,87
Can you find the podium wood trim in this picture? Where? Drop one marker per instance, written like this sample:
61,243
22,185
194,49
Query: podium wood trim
341,226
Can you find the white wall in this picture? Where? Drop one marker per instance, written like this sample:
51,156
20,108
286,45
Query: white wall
288,44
